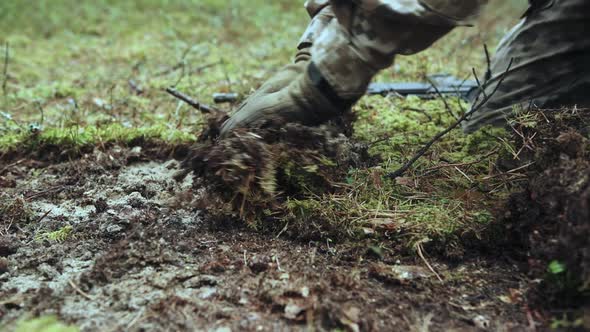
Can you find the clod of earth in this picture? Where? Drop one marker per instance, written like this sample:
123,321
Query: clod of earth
254,174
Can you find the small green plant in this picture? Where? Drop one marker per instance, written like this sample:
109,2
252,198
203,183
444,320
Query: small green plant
556,267
60,235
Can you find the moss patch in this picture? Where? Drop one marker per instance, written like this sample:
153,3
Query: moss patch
44,324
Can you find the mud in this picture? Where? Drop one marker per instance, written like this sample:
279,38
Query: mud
143,255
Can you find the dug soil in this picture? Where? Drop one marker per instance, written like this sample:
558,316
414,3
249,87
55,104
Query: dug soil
139,256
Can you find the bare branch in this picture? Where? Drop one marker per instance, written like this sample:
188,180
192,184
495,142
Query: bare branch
478,82
5,71
489,63
193,103
436,138
444,99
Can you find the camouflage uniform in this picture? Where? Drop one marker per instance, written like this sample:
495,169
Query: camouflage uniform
550,53
354,39
366,35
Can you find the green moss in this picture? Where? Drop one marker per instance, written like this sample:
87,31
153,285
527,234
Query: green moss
44,324
75,138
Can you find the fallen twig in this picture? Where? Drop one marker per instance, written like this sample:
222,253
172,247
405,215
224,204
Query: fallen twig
510,172
441,166
53,190
7,167
193,103
79,291
42,217
399,172
419,249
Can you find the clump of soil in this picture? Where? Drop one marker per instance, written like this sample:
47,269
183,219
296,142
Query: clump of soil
252,173
551,217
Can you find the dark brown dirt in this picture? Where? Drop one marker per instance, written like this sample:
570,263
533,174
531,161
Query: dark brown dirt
143,256
550,219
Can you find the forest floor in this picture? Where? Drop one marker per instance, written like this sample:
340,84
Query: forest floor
98,232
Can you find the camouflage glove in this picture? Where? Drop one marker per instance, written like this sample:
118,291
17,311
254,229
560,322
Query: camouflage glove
298,93
282,78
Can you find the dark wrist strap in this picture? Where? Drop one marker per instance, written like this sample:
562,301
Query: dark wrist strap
319,81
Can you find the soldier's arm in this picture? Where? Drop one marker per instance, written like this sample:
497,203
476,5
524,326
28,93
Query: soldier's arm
368,34
347,43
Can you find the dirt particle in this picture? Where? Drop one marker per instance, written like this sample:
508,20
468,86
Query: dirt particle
259,264
6,182
201,281
3,265
398,274
7,247
101,205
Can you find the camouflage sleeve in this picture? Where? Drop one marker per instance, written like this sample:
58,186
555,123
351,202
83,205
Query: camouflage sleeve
454,12
321,14
548,54
434,12
367,34
445,13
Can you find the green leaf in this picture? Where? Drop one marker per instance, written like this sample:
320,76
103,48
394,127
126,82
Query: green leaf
556,267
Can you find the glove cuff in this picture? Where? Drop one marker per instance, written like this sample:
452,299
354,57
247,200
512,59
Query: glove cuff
324,87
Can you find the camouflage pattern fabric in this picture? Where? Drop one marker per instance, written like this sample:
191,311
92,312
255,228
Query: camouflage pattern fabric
549,48
550,52
322,15
367,34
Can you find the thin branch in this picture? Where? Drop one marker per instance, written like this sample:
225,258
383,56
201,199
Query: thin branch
180,64
421,255
79,291
489,63
441,166
436,138
42,217
478,82
7,167
42,111
5,71
444,99
193,103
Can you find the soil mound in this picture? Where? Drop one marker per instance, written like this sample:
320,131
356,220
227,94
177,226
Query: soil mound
551,217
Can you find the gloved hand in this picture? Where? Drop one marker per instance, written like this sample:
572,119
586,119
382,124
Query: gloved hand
294,94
